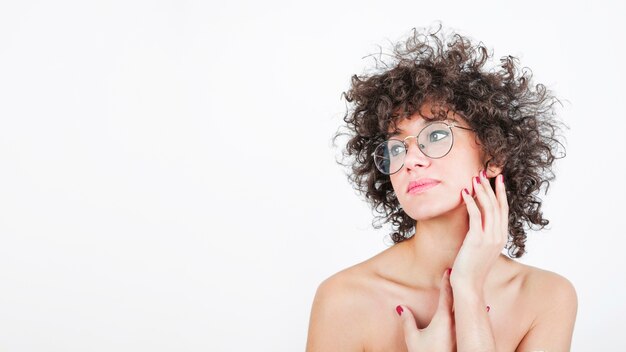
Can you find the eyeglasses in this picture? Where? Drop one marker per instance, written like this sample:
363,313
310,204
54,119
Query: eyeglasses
435,140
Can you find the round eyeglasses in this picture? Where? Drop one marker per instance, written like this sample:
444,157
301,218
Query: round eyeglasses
435,140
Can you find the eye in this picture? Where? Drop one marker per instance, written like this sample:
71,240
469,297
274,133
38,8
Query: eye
438,135
396,149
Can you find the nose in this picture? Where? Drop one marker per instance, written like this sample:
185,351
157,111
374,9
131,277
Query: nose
414,156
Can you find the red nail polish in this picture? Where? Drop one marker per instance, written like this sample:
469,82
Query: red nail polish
477,179
465,190
484,174
488,309
399,310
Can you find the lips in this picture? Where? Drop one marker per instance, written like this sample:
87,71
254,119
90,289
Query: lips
421,185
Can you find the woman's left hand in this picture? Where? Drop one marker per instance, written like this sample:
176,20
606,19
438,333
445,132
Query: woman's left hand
487,235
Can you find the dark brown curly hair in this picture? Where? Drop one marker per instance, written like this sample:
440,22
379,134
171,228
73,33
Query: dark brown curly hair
514,120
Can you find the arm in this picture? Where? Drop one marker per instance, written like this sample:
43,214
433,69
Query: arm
473,327
487,235
553,327
334,315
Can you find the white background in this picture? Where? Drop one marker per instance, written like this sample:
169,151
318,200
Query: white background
168,182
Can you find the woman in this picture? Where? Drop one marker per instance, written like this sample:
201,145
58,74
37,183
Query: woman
453,155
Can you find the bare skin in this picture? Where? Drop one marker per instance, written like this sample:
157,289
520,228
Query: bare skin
511,291
530,309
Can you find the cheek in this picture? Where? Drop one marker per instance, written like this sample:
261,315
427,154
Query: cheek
394,184
460,177
465,180
463,167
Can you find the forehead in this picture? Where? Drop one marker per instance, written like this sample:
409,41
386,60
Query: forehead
418,120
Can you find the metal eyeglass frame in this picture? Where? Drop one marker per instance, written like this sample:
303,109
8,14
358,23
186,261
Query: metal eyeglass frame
406,147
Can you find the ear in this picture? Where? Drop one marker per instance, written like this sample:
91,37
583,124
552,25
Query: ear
493,169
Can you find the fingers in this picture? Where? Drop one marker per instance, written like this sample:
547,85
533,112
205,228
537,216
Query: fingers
503,204
442,324
488,203
475,221
446,300
494,207
408,325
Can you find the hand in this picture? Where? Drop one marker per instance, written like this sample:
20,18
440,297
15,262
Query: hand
440,334
487,235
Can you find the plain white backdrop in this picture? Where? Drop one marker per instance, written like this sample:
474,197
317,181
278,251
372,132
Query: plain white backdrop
168,183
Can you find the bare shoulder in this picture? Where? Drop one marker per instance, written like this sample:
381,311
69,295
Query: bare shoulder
336,313
547,287
343,291
554,303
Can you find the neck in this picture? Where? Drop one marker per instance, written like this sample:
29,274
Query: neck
434,247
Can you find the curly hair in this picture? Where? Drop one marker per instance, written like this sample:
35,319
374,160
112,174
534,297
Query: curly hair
513,119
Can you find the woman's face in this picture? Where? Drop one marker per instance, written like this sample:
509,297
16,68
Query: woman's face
451,173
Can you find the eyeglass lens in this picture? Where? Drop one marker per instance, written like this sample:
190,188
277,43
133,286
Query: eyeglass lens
435,141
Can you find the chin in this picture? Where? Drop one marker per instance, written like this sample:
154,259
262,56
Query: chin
425,211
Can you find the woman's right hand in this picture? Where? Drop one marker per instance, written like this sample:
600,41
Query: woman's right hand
440,334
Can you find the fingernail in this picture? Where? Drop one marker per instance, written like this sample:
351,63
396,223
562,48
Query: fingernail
484,174
465,190
399,310
488,309
477,179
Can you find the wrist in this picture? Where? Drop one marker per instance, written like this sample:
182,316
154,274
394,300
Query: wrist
466,288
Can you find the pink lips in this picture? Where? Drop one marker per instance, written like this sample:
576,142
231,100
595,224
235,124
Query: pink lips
421,185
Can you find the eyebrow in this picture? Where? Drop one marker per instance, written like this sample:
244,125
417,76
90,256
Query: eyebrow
400,131
393,134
